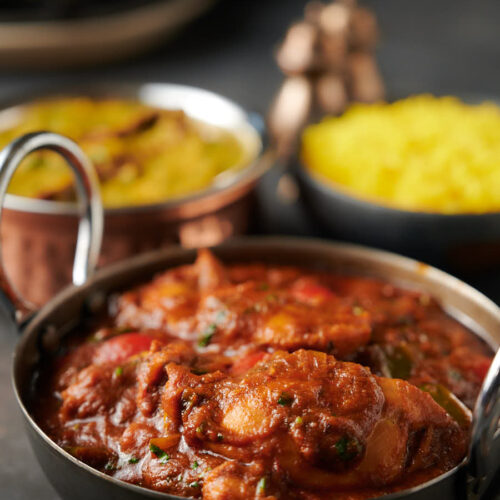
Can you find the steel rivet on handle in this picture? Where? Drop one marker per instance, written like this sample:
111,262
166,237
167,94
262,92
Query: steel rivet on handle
89,204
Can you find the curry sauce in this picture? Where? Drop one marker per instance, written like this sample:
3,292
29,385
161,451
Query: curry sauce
256,381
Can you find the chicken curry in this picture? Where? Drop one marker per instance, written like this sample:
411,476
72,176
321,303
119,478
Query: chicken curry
266,382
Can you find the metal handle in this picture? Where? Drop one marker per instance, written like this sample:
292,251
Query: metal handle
89,203
484,460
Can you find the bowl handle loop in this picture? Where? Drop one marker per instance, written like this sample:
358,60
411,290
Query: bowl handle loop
484,454
89,204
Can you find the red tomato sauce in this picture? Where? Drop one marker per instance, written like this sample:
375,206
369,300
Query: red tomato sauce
253,381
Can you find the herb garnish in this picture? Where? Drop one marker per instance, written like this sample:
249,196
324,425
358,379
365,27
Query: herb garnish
159,453
133,460
262,486
285,399
206,336
347,448
118,371
194,465
194,484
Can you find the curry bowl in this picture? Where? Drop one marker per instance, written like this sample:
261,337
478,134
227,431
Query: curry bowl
39,233
46,330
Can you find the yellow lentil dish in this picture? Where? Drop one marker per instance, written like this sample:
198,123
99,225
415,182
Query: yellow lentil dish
142,154
422,153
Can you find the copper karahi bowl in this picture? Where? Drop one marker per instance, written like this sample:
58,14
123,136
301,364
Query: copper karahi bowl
39,235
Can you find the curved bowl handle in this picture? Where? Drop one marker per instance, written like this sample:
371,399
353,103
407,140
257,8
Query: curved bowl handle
484,452
89,203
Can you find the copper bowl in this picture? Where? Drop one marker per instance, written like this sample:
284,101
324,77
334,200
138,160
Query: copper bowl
39,235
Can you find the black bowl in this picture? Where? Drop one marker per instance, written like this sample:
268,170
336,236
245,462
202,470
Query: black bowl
466,244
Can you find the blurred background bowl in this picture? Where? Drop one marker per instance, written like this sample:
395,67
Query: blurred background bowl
53,34
466,244
39,235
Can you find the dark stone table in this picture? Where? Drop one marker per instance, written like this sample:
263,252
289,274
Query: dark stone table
450,46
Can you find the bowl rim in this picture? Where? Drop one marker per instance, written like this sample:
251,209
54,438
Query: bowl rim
333,189
161,257
257,164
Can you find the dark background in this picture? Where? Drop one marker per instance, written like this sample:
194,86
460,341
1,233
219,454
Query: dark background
438,46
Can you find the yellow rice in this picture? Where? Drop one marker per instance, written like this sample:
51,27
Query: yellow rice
422,153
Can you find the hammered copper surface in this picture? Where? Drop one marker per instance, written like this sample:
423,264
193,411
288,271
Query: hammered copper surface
39,248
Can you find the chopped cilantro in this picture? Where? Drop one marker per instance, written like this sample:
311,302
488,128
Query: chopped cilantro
262,486
299,420
195,465
285,399
118,371
159,453
133,460
341,446
194,484
207,335
347,448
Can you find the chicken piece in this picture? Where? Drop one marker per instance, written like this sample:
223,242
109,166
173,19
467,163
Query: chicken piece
167,303
152,374
97,390
170,301
301,314
331,326
234,481
327,424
